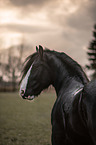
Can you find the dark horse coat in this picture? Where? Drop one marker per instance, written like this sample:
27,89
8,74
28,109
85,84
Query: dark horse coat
74,112
74,117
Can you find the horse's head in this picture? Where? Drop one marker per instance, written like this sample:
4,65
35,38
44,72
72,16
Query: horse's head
36,75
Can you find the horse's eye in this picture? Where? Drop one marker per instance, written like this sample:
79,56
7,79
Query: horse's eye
35,67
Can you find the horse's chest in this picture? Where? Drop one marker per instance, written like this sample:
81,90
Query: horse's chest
56,114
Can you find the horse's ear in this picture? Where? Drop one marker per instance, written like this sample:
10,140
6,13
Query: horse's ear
36,48
41,51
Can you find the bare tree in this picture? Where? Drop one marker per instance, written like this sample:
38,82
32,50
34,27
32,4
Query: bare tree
13,67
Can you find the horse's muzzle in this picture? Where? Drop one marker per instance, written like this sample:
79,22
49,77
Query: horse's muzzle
22,93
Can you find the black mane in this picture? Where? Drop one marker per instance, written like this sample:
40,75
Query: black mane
73,65
68,61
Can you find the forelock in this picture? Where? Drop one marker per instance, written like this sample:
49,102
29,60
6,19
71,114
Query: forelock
27,64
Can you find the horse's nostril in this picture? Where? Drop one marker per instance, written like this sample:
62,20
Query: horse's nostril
22,92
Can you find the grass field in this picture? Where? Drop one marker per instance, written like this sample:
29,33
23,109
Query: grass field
25,122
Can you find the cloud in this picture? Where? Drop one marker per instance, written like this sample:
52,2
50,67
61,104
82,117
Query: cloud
92,9
24,3
59,12
84,18
31,3
21,28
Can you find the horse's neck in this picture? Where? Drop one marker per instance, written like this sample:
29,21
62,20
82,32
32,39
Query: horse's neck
70,85
62,75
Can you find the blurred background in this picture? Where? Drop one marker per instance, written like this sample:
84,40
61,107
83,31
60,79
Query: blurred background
61,25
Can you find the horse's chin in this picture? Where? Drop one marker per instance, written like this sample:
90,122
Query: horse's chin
30,97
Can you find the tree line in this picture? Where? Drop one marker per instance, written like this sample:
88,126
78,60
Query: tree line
11,67
91,53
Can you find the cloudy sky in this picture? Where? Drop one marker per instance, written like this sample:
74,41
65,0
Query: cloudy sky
63,25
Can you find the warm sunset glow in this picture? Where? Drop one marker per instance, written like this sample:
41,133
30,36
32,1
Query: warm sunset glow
7,16
38,19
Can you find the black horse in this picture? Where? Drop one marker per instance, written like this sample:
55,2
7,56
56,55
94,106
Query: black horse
74,112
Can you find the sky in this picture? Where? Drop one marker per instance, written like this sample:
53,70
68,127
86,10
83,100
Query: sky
61,25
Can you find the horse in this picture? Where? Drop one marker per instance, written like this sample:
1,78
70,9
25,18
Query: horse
73,116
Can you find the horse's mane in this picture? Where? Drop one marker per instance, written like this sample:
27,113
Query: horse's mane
68,61
73,65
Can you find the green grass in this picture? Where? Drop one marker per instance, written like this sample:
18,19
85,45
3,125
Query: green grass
25,122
